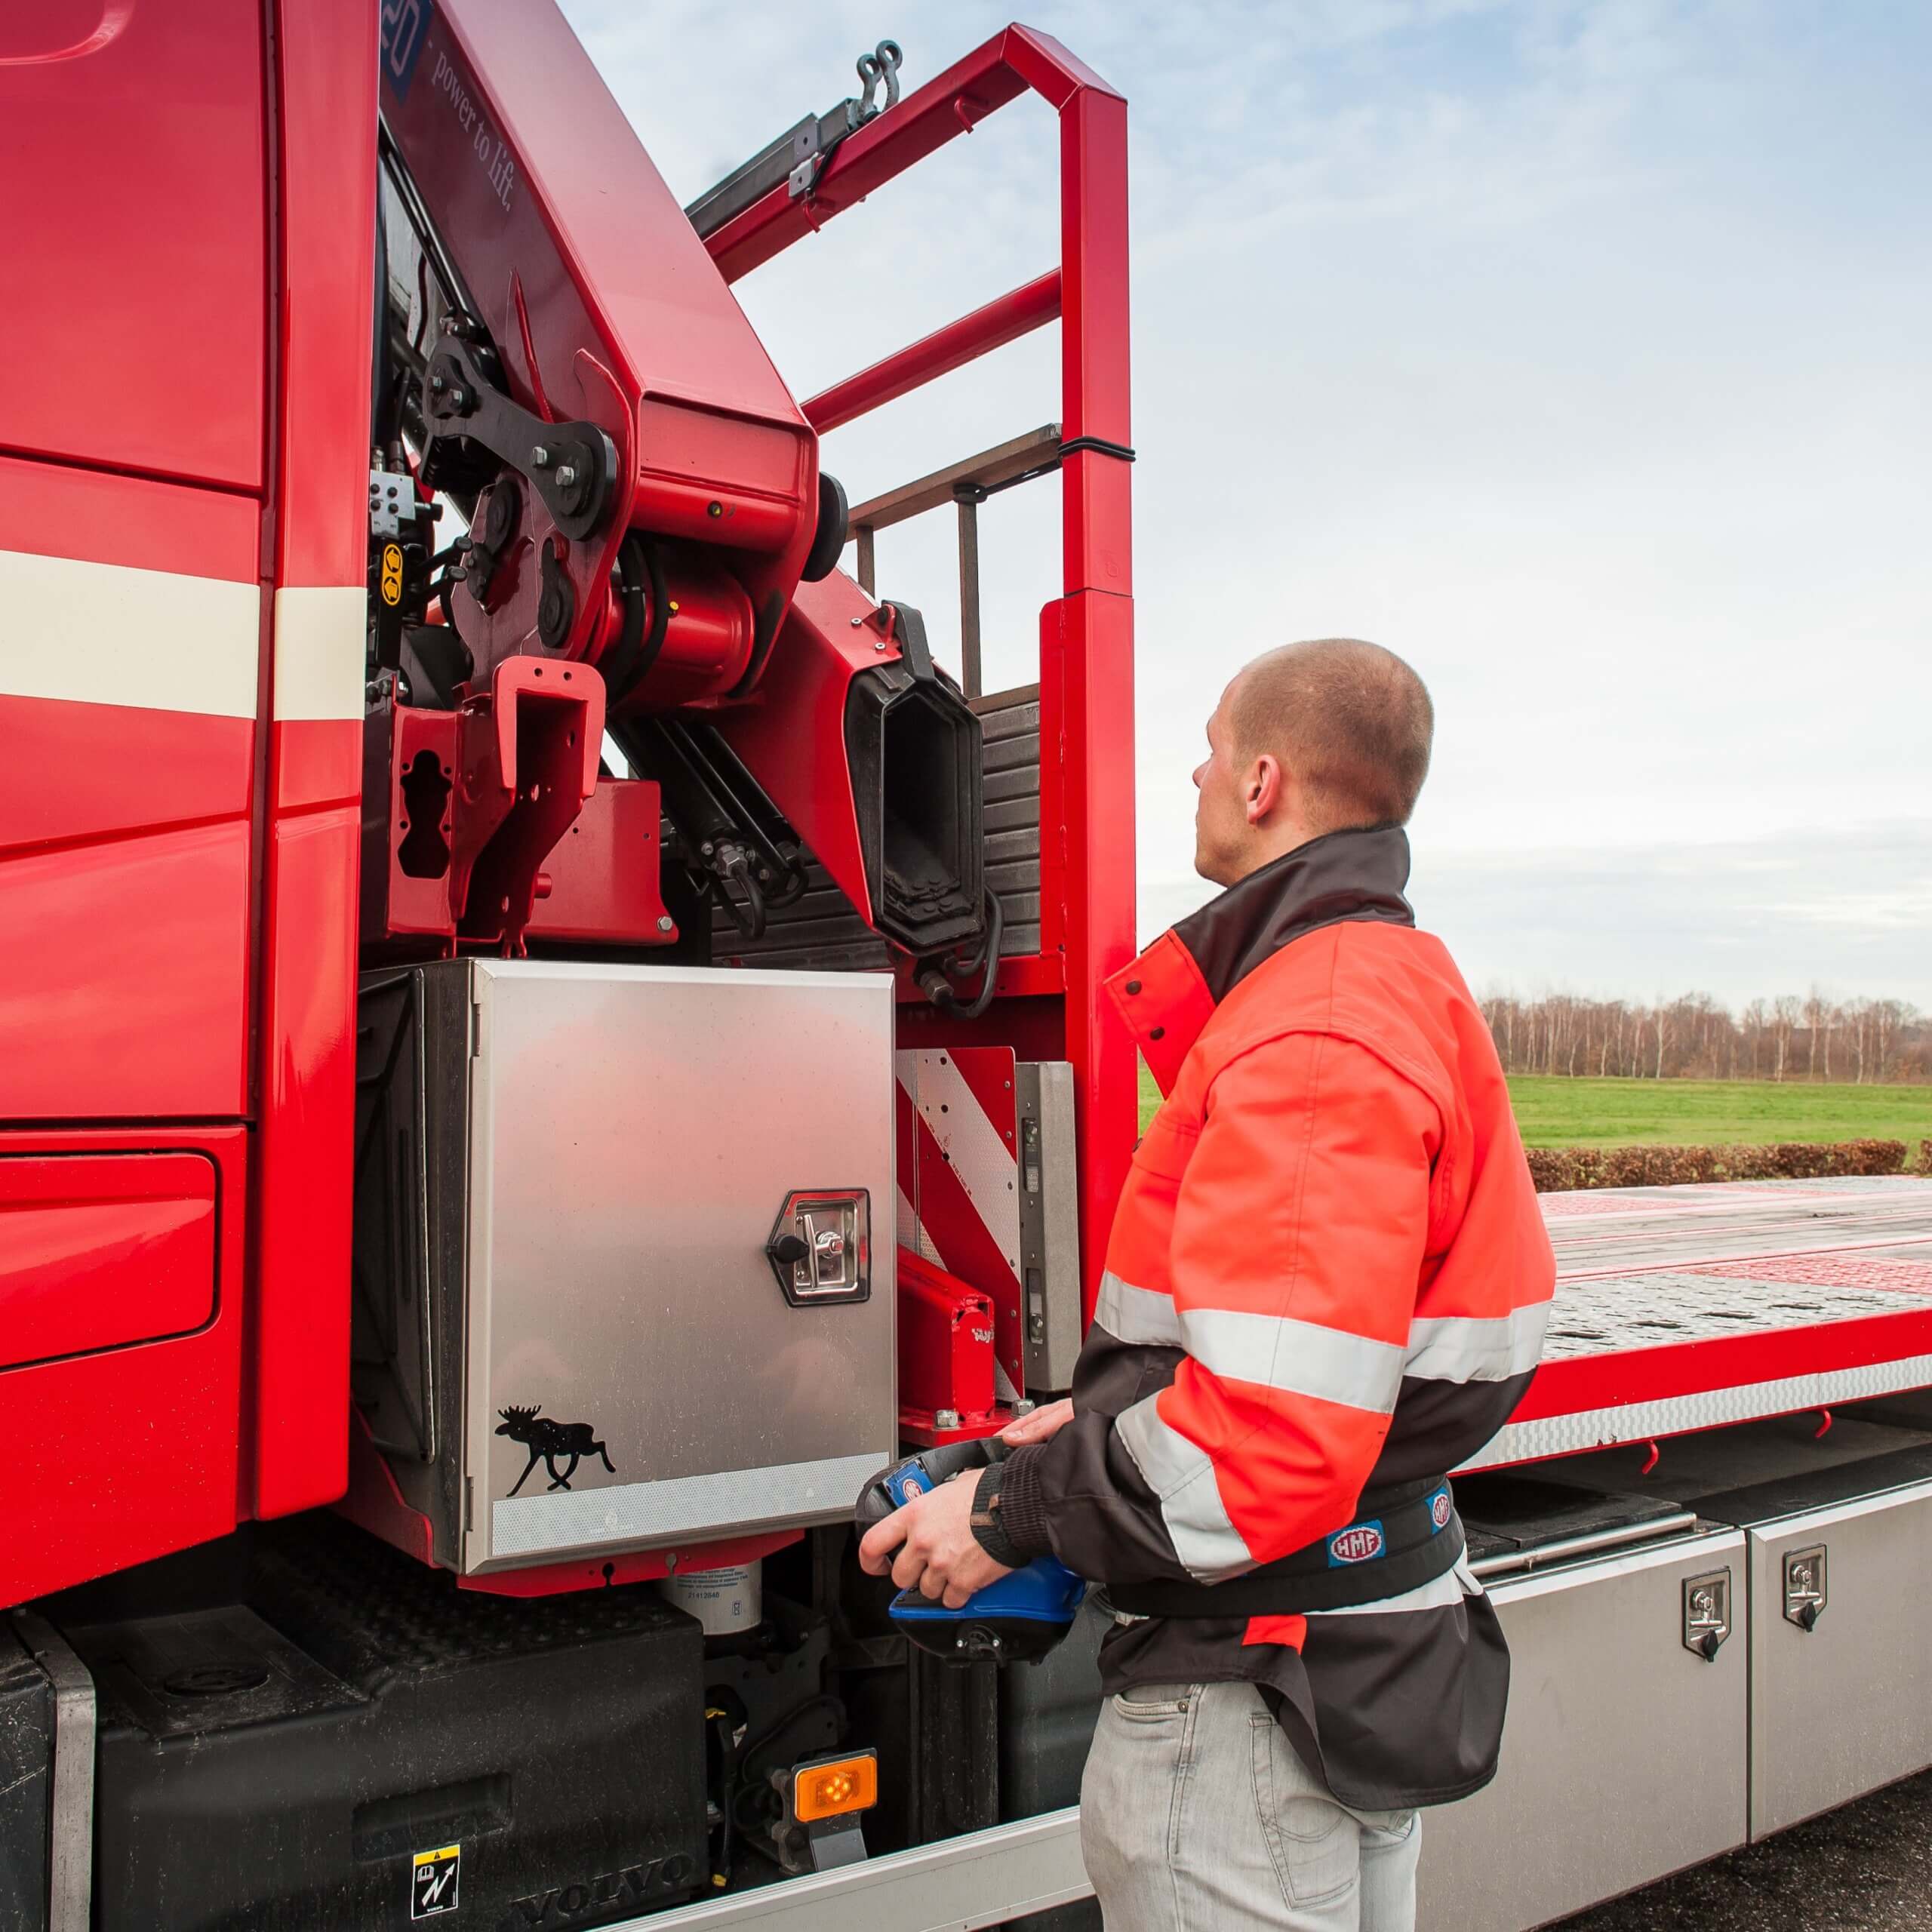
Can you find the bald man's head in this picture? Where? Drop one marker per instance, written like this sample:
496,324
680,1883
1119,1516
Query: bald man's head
1312,738
1350,722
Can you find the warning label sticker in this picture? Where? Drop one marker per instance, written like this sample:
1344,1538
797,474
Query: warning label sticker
432,1881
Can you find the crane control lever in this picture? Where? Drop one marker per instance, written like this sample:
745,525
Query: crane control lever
1018,1619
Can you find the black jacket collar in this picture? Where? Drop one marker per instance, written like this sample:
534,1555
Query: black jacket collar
1357,875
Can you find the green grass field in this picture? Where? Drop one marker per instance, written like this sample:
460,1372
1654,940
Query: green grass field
1557,1112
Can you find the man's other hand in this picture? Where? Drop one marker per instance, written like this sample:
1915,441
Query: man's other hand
1042,1426
938,1555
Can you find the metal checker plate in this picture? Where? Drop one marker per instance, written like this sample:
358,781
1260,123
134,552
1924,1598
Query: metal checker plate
1655,1309
1635,1231
1655,1268
1833,1271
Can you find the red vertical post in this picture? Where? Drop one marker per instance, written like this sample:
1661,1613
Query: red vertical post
1087,657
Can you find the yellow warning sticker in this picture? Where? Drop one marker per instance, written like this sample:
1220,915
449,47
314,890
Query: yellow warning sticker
432,1883
393,594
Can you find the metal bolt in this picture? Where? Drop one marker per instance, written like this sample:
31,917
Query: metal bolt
856,622
1025,1406
566,476
664,922
880,645
946,1419
539,457
437,385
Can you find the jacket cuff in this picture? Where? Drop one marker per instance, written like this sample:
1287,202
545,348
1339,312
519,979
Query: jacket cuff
1009,1510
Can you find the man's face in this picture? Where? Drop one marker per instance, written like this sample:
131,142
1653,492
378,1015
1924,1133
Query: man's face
1222,834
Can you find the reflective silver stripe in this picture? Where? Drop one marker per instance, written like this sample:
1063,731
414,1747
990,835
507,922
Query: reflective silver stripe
1303,1358
1181,1474
632,1512
1441,1592
1139,1315
1469,1348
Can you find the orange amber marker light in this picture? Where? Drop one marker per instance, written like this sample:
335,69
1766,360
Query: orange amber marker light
828,1790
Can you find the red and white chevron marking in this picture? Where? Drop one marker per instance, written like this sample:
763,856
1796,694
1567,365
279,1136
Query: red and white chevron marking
959,1181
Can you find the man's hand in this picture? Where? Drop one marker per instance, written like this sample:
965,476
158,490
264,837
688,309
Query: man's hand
938,1556
1042,1426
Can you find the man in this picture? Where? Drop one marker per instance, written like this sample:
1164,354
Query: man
1326,1287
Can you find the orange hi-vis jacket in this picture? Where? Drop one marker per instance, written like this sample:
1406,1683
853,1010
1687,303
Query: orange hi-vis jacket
1326,1288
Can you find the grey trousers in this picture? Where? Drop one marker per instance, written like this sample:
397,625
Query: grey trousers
1197,1815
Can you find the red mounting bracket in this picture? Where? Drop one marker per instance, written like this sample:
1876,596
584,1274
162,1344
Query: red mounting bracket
526,760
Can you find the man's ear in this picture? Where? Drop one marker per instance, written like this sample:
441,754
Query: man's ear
1264,788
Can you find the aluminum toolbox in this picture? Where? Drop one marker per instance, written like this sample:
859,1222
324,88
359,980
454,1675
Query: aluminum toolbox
571,1338
1839,1563
1844,1704
1623,1758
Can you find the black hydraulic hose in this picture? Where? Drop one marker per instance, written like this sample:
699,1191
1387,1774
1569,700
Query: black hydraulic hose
798,882
742,1758
640,581
773,1731
751,922
987,959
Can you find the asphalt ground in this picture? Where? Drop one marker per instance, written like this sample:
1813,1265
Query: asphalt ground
1867,1868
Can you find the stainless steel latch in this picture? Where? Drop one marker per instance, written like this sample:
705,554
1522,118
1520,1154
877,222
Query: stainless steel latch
1706,1613
820,1248
1805,1586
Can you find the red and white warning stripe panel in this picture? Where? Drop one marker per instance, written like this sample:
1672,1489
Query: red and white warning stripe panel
959,1181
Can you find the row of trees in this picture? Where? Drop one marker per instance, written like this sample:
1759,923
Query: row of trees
1814,1037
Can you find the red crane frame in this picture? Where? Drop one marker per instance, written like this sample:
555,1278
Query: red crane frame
1050,1005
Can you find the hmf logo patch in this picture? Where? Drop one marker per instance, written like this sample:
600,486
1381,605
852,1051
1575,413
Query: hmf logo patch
1356,1544
1441,1509
433,1878
405,23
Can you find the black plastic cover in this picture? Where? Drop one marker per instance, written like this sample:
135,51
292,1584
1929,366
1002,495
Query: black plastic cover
912,745
284,1763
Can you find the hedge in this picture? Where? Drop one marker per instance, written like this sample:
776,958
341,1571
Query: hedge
1557,1170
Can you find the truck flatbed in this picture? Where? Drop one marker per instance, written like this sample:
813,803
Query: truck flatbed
1687,1307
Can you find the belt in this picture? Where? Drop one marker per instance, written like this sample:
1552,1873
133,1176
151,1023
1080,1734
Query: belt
1405,1535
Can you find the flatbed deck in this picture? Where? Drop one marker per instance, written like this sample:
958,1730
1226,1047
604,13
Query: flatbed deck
1685,1308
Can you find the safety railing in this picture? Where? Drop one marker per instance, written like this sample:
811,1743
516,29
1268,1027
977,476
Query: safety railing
1050,1003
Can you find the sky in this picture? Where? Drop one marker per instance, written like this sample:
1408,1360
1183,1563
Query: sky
1581,353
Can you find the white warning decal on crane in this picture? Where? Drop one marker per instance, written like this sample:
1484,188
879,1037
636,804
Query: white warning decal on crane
432,1881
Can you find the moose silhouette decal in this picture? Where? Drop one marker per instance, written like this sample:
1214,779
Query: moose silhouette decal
546,1441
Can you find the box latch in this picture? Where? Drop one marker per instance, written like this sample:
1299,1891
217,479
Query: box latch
821,1247
1707,1613
1805,1586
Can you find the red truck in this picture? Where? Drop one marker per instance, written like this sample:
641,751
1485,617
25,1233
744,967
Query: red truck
544,1039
